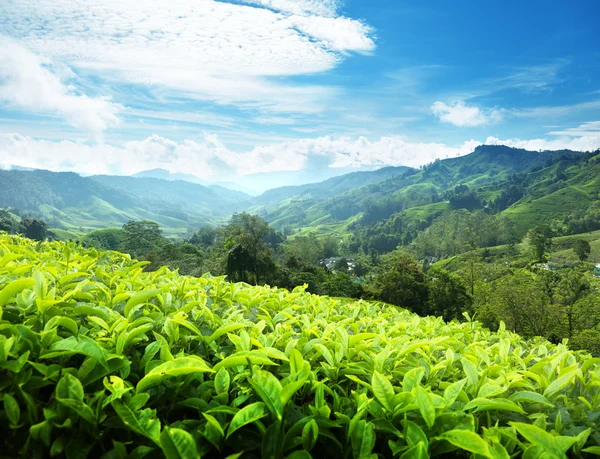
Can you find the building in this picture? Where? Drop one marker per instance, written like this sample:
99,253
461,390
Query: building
597,270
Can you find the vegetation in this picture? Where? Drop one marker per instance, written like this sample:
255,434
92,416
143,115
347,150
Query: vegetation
99,358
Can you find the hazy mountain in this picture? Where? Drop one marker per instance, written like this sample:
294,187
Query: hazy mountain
166,175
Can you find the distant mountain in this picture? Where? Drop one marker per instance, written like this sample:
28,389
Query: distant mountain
422,194
527,187
316,171
72,202
331,187
166,175
216,200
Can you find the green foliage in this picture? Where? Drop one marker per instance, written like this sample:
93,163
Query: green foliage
448,296
101,359
401,281
141,238
540,241
105,239
35,229
582,249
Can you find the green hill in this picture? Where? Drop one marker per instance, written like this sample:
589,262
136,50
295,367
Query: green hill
526,187
101,358
70,202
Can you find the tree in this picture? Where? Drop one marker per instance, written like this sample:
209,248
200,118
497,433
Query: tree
8,223
249,242
205,236
571,293
525,302
105,239
35,229
341,265
540,241
448,295
582,249
341,285
401,282
142,237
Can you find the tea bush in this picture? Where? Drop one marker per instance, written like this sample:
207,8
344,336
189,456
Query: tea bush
101,359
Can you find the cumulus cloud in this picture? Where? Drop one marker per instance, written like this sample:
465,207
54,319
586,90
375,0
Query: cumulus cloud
219,51
210,158
28,82
463,115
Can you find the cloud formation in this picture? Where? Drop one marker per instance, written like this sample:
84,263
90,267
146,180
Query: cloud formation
28,82
209,158
230,53
462,115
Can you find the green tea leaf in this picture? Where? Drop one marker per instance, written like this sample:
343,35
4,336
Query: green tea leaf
142,422
488,404
14,288
222,381
269,389
139,298
426,406
177,444
245,416
12,410
383,390
310,433
468,441
179,367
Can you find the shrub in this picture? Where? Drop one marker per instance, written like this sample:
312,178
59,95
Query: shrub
99,358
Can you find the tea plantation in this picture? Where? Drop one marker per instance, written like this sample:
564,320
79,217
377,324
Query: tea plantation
101,359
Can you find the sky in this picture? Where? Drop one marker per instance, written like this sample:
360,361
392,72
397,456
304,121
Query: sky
226,89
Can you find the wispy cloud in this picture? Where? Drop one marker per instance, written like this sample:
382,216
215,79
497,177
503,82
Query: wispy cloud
29,82
229,53
590,129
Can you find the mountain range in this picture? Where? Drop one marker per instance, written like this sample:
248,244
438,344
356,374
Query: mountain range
526,186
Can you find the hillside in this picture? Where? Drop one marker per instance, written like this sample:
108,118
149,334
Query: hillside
130,362
190,197
525,186
72,202
166,175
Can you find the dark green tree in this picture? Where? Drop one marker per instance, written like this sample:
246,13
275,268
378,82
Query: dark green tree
35,229
341,285
448,295
401,282
341,265
582,249
205,237
540,241
105,239
142,237
8,223
249,242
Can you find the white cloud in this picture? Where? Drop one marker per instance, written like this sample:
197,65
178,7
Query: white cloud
300,7
224,52
463,115
209,157
585,137
591,129
585,143
27,82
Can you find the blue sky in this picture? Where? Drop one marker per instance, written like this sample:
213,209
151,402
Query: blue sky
226,89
